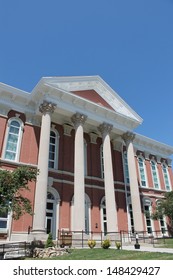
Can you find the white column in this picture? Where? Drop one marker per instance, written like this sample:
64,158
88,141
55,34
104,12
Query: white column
111,211
46,108
134,188
79,185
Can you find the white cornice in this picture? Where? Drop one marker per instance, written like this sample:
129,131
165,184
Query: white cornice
154,147
69,84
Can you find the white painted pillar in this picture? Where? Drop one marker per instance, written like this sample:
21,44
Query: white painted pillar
128,138
111,211
46,108
79,185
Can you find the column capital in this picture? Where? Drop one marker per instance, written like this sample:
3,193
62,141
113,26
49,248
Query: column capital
47,107
128,137
78,119
105,128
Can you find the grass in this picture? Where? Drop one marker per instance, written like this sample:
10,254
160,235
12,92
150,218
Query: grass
164,243
113,254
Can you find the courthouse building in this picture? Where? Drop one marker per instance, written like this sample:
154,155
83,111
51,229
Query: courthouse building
96,173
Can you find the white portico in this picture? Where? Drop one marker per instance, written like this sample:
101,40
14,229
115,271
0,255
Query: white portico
109,116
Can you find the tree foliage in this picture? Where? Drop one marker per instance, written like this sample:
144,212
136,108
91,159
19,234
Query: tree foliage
12,187
165,208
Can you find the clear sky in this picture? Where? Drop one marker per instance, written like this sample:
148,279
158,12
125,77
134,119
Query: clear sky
129,43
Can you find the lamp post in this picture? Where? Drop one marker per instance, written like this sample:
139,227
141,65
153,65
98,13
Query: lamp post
137,245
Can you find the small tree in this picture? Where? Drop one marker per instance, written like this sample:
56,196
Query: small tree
165,208
12,185
49,241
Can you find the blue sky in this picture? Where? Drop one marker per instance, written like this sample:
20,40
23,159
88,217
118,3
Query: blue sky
129,43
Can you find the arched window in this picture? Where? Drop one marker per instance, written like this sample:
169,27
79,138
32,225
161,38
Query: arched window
126,169
142,171
53,149
52,212
155,174
166,177
13,139
147,212
103,215
101,161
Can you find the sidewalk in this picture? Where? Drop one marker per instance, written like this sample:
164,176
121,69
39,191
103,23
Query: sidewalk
148,249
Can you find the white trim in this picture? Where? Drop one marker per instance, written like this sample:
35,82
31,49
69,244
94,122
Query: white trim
167,173
144,169
157,174
19,141
146,201
56,210
57,136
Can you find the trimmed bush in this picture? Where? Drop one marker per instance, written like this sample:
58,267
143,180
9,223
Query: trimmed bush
91,243
106,244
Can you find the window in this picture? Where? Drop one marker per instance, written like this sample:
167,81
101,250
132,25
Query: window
155,174
52,212
166,177
103,216
13,139
142,171
4,217
102,161
53,150
131,217
162,221
126,169
147,213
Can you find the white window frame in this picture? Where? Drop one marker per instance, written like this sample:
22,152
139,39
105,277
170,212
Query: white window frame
126,168
157,175
168,177
55,161
7,220
19,141
55,211
103,216
147,202
144,170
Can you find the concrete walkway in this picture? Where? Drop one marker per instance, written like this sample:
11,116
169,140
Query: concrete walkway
144,248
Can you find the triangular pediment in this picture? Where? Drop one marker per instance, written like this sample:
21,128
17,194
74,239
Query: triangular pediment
95,90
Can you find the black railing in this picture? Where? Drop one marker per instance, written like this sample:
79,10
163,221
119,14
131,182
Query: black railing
14,250
80,238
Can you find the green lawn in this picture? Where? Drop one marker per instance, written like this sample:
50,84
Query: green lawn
113,254
164,243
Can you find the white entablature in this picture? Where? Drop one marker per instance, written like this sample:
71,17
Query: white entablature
59,90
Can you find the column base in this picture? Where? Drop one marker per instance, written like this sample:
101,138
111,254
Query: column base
37,235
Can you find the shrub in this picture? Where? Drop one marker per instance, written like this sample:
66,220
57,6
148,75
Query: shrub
35,244
106,244
118,245
49,242
91,243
